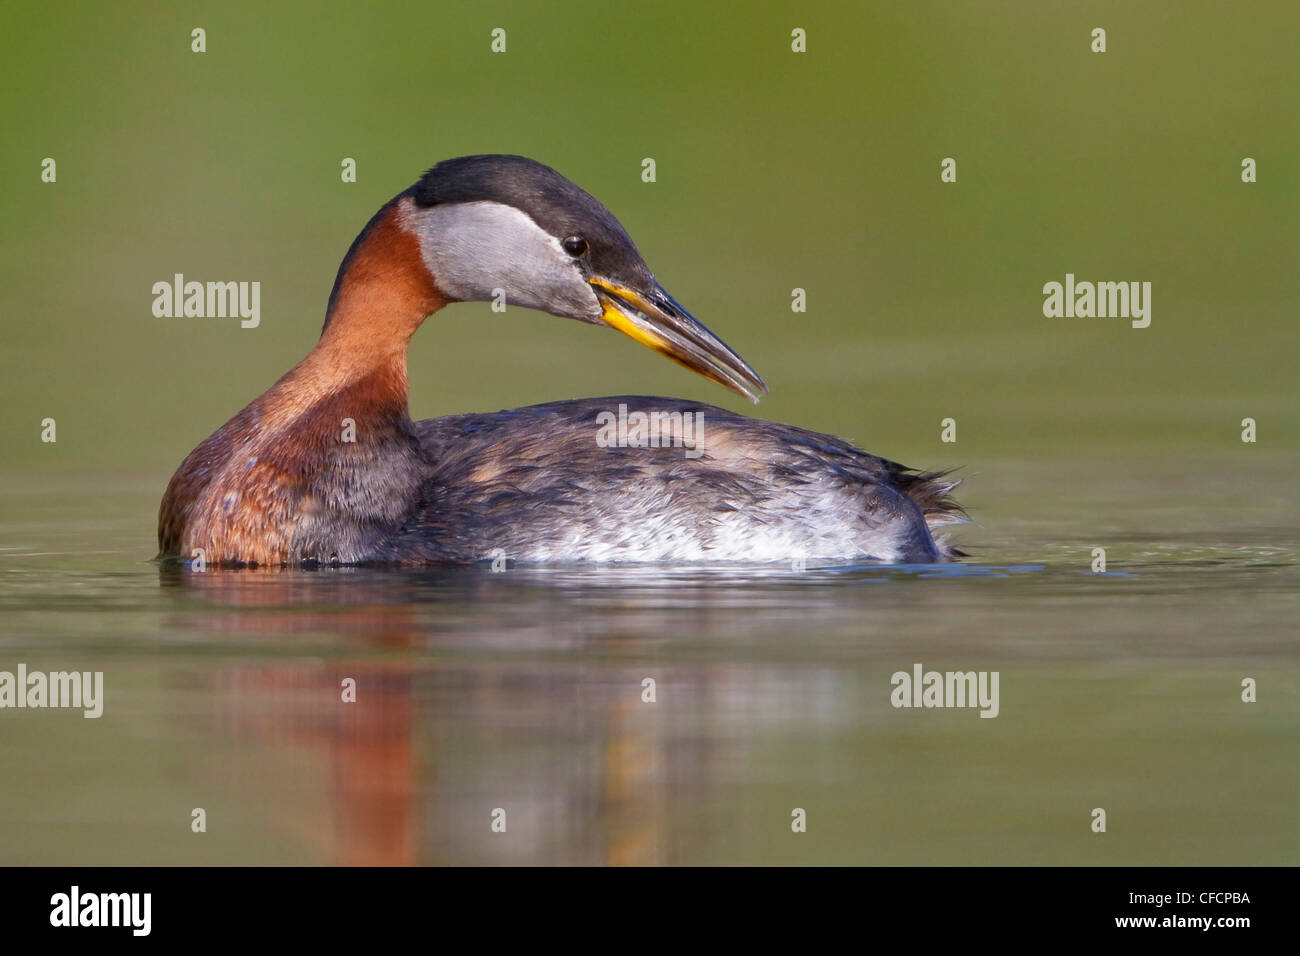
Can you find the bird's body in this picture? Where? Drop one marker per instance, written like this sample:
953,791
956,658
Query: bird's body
327,467
535,483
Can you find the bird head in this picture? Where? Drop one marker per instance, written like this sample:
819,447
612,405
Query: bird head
492,226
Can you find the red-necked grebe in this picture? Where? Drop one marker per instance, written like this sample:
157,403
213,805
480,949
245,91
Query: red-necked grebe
285,482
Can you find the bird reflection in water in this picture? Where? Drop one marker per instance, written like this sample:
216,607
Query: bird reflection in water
477,691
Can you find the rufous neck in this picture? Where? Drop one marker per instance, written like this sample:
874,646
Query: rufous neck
383,294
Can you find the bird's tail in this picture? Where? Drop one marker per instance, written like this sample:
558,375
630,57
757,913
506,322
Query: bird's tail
932,492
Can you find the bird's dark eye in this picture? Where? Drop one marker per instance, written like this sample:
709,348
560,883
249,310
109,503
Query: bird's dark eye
575,246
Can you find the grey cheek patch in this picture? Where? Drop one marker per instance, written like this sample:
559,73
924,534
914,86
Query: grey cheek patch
477,250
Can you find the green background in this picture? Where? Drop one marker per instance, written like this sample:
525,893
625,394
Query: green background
775,171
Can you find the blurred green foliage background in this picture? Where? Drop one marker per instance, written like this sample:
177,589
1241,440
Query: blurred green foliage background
775,170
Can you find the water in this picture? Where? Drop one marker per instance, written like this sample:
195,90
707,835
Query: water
523,691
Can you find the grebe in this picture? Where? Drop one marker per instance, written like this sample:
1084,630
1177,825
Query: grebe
327,467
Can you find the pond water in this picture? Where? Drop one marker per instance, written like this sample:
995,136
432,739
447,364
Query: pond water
518,697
